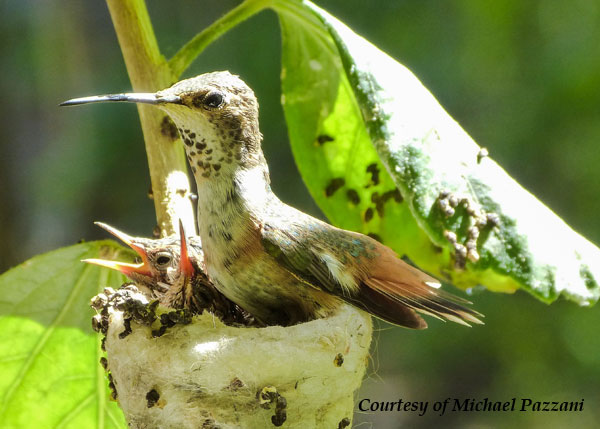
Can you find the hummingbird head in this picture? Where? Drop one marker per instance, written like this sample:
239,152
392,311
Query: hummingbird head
217,117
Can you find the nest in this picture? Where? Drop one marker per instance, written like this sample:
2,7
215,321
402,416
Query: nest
172,369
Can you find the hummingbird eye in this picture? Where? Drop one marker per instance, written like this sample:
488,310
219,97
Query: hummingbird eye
213,100
163,259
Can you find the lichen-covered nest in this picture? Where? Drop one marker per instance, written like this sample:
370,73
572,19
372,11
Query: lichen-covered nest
203,373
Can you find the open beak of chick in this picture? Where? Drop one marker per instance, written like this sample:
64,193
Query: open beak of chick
126,268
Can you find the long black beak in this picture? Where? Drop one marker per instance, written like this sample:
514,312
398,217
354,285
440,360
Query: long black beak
140,97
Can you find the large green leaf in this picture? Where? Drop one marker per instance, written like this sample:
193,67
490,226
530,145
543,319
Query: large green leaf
361,124
332,147
49,371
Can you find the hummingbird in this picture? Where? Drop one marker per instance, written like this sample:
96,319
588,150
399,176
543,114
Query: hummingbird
172,271
276,262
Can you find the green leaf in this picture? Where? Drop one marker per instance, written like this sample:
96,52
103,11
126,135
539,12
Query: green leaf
331,145
352,110
49,371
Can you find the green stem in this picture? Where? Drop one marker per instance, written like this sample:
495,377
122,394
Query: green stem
188,53
149,71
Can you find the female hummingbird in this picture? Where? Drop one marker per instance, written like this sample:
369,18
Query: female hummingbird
281,265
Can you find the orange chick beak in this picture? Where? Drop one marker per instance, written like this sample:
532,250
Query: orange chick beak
124,267
185,264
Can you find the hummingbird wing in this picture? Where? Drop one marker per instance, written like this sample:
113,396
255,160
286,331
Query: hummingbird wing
362,272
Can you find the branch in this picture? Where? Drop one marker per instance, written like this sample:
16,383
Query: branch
149,71
188,53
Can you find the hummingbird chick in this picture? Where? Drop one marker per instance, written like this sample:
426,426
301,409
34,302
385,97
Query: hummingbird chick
281,265
172,271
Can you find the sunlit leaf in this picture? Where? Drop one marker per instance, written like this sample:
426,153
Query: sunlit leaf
353,113
332,147
49,371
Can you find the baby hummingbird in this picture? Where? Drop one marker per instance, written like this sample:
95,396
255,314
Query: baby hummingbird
172,271
278,263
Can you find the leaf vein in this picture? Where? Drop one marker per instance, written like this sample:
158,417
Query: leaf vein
42,342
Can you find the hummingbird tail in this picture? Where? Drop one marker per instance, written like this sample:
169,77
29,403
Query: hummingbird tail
399,302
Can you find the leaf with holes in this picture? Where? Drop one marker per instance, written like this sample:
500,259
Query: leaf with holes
362,125
332,147
49,371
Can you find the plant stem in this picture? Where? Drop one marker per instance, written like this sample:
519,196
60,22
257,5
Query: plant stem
149,71
188,53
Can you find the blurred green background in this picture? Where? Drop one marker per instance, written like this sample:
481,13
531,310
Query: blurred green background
522,77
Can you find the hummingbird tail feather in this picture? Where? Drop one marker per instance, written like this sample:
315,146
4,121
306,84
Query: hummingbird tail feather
394,300
386,308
